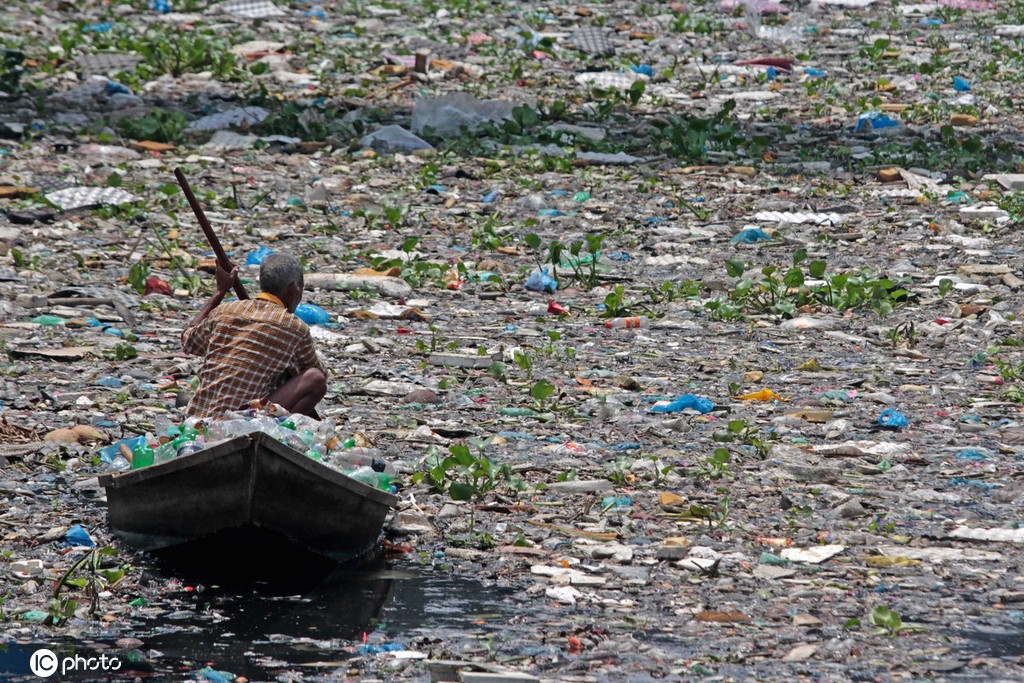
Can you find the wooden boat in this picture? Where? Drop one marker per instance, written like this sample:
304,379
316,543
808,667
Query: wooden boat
252,487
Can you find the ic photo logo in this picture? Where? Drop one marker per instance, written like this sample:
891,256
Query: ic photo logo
44,663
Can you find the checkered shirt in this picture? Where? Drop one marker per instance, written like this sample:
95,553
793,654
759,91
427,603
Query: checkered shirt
249,349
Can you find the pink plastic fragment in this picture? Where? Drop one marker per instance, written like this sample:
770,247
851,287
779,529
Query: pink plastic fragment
969,4
762,6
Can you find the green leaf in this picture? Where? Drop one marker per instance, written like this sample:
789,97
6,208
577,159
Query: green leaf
459,491
794,277
525,116
521,541
816,269
497,369
636,91
734,268
532,240
462,455
883,617
851,624
115,180
945,284
799,256
542,389
111,576
137,275
259,68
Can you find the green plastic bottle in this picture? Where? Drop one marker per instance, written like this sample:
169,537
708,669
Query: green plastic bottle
142,456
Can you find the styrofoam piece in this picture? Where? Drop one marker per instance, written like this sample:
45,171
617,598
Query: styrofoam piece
79,197
797,218
997,535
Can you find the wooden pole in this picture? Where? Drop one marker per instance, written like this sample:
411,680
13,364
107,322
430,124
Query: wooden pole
211,237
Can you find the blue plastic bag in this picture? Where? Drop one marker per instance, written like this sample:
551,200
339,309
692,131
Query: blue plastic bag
971,455
312,315
751,236
684,402
214,676
873,121
540,281
960,85
79,538
893,419
115,88
256,258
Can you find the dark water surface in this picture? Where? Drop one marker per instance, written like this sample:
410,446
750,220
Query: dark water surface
312,620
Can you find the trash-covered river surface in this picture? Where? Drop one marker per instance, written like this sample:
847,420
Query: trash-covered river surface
686,335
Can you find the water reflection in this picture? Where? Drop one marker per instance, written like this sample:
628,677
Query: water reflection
252,627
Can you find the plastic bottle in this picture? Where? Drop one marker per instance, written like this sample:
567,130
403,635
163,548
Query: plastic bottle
228,429
624,323
48,320
365,475
165,452
365,457
190,447
142,456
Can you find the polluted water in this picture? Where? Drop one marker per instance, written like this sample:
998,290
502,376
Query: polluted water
679,340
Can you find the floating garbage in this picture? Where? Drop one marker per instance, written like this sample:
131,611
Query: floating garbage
393,138
685,402
892,419
751,236
874,121
312,315
540,281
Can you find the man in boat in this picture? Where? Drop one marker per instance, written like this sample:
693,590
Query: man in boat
255,349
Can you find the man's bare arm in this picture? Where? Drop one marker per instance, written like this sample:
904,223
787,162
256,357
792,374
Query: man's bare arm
225,281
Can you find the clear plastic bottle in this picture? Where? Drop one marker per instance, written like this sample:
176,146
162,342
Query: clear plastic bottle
354,458
165,452
165,427
228,429
624,323
366,475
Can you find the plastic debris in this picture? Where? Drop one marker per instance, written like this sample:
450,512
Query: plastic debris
761,395
751,236
79,537
685,402
255,258
455,112
874,121
394,139
892,419
540,281
81,197
312,315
